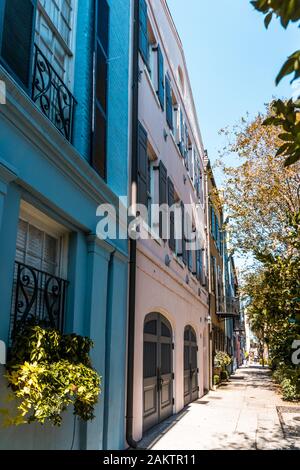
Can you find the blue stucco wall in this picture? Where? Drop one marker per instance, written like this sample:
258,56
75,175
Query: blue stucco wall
38,166
117,173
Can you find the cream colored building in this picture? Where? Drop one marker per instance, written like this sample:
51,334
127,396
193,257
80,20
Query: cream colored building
171,357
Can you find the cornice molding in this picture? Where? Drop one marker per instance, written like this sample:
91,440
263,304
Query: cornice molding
38,129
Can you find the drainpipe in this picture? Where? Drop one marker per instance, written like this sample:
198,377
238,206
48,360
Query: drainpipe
206,160
132,243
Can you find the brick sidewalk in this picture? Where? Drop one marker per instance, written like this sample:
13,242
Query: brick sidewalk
245,413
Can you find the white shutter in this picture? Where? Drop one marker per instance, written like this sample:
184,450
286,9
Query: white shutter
21,241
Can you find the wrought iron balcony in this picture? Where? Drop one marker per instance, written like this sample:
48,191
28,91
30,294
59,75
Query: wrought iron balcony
38,298
229,308
52,96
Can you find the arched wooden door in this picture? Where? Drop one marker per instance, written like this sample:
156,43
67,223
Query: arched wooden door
190,365
158,370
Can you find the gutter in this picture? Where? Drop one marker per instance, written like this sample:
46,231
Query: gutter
132,243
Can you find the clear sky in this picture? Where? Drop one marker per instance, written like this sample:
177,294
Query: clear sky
232,60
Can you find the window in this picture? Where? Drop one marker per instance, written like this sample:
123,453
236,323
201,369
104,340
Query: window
143,35
37,248
214,274
54,28
198,178
169,104
151,187
101,71
39,290
160,77
191,165
199,265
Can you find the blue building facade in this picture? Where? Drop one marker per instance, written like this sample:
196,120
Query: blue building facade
64,150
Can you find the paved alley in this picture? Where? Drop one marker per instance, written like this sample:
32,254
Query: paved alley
245,413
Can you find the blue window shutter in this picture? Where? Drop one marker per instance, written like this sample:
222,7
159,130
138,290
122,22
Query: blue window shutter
169,104
161,77
143,36
99,135
17,38
171,202
163,194
142,197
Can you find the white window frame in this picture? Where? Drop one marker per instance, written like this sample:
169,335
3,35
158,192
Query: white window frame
69,49
41,221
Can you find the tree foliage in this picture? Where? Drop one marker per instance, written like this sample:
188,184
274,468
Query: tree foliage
285,115
273,292
258,195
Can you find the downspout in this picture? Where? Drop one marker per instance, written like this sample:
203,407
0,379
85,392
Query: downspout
132,243
206,160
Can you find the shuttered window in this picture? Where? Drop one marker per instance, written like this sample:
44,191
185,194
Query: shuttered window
54,34
199,265
143,36
184,252
37,248
160,77
99,135
142,166
163,199
17,39
171,203
169,104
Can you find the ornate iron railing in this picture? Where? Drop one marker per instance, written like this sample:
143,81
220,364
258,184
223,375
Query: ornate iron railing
38,298
229,307
52,96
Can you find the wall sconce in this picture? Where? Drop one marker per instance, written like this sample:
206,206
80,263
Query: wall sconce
208,319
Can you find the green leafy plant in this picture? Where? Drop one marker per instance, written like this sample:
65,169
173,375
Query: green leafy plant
290,389
222,359
216,379
224,376
285,115
48,372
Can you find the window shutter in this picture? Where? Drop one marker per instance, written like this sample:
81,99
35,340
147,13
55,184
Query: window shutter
143,37
142,166
99,134
169,104
199,265
182,135
17,39
161,77
171,202
184,252
212,221
162,193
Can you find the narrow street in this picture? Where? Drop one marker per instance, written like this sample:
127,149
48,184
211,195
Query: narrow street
245,413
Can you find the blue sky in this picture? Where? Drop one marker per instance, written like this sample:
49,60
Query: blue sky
232,61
